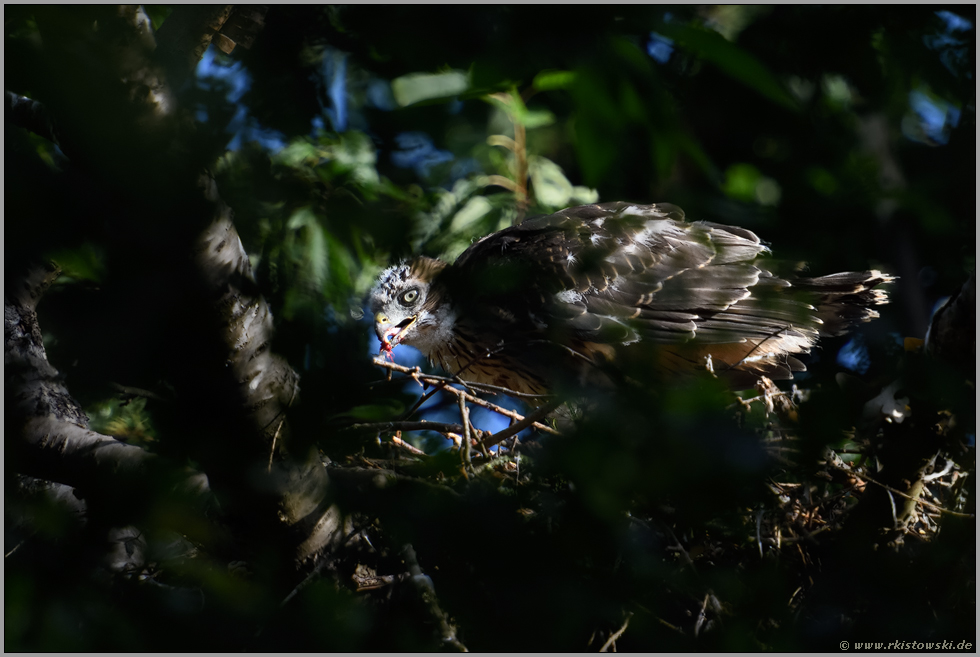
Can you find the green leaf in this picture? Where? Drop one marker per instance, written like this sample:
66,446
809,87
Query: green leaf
550,80
351,154
311,249
83,263
538,119
740,181
474,210
300,151
746,183
416,87
552,189
157,14
513,105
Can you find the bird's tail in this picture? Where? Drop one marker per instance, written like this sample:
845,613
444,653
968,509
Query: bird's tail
845,299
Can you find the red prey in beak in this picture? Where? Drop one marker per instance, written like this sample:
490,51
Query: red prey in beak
391,335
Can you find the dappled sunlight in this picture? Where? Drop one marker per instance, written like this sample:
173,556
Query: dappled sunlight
209,449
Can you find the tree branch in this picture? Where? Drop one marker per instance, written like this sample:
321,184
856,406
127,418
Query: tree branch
30,115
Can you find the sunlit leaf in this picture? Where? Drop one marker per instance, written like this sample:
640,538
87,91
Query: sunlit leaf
474,210
550,186
416,87
299,151
311,246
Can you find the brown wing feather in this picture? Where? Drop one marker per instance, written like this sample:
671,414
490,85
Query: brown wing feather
615,273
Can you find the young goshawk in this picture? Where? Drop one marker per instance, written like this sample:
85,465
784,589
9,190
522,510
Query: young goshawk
553,297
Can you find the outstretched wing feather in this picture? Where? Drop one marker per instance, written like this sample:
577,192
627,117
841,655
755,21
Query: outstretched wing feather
606,263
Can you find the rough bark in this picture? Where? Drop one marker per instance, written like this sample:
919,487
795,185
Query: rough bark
233,392
48,433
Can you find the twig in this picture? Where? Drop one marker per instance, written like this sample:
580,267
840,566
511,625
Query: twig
434,379
466,443
508,413
497,409
764,340
411,448
515,429
422,425
428,593
758,531
702,616
313,574
679,547
611,641
14,549
843,467
943,473
441,383
748,402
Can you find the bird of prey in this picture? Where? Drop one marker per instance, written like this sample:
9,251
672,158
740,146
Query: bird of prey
556,297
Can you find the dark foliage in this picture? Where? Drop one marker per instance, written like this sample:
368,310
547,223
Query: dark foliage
690,517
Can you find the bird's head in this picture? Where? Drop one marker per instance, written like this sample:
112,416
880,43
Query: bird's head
408,308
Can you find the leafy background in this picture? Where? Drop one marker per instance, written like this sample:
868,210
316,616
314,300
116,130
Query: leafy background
349,137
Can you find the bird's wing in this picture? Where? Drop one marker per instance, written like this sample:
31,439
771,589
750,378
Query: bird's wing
595,277
618,272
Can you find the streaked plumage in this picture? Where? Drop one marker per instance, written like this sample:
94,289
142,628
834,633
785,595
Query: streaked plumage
555,295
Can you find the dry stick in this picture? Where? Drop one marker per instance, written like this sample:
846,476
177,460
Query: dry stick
14,549
758,532
766,339
421,400
508,413
462,383
497,409
417,374
486,387
898,492
701,617
441,384
422,425
612,640
679,548
434,379
444,381
466,443
401,443
462,397
515,429
748,402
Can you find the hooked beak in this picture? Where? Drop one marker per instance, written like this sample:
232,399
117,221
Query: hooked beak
390,335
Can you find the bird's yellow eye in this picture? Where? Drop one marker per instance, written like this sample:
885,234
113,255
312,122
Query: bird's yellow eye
409,297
